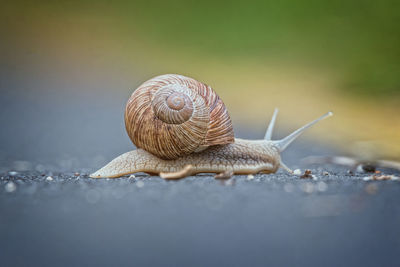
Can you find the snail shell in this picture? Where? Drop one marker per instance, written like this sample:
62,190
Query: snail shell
172,115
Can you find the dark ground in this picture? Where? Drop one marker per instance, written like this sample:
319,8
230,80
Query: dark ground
68,220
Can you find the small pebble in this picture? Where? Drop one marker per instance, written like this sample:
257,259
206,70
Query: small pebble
10,187
368,167
297,172
307,175
326,173
132,176
250,177
49,178
12,173
77,174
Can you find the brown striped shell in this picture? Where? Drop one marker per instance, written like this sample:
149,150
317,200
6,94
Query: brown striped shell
172,115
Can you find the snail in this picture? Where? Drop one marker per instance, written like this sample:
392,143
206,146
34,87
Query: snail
181,128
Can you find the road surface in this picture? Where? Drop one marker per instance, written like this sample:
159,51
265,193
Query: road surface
52,214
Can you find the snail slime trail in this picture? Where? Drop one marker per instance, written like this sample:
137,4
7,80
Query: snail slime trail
181,128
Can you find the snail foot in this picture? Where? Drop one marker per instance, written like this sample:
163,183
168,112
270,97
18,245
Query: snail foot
185,172
224,175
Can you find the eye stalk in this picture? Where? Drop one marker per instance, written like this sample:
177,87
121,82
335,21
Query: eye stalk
285,142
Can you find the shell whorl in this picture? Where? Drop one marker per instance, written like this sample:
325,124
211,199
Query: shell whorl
172,115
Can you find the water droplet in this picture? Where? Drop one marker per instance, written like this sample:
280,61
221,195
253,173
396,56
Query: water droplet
322,186
307,187
10,187
139,184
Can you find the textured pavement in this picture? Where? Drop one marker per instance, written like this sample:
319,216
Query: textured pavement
66,219
51,214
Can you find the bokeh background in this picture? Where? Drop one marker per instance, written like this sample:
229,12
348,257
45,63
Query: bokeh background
68,67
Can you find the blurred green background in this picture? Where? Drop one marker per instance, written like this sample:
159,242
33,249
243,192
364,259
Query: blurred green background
360,40
303,56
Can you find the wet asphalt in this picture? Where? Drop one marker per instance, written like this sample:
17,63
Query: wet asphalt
68,219
52,214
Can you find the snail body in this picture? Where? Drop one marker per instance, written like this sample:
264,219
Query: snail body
181,128
241,157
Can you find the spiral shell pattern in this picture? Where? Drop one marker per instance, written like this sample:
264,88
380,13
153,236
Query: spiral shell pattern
172,115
